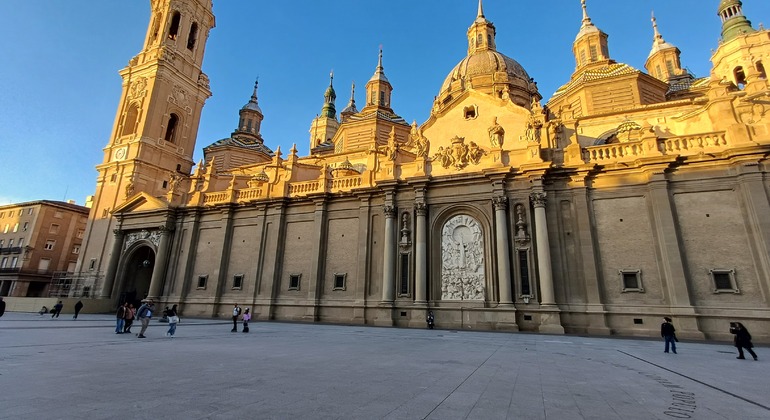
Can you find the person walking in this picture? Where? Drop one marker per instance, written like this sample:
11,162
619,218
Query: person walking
236,314
2,306
173,319
668,332
431,320
130,314
742,340
246,319
78,308
57,310
144,314
120,318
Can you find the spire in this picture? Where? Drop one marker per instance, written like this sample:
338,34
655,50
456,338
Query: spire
379,73
481,34
586,18
329,110
658,43
480,14
351,108
253,105
657,37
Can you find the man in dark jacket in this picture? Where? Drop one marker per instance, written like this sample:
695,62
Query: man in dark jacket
57,310
668,332
742,340
2,306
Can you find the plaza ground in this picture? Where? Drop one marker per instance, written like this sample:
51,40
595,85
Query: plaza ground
64,369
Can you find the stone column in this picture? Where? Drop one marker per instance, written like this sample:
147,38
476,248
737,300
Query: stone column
500,204
112,267
389,260
543,250
161,261
420,255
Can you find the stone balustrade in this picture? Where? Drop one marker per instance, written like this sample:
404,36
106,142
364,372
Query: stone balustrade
692,144
346,183
630,151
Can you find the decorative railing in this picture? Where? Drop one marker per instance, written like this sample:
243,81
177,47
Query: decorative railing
695,144
616,152
249,194
305,187
216,197
346,183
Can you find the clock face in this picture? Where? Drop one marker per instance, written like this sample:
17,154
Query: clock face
120,153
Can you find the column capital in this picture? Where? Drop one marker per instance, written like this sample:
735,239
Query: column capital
390,212
118,232
538,199
164,230
500,202
421,208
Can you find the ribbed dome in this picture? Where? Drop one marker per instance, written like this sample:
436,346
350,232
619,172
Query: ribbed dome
484,63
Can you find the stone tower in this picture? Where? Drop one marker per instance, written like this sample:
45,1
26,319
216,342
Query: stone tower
325,125
153,138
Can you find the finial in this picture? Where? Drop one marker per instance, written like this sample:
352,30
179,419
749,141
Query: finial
293,150
586,19
379,62
331,77
254,94
481,10
657,34
353,90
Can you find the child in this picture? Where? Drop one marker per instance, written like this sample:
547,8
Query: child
246,319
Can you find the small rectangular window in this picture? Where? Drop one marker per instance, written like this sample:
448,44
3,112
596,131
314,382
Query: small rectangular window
25,227
92,264
29,211
1,243
14,261
724,281
631,280
404,280
4,264
76,249
21,242
202,280
10,243
294,281
54,229
238,281
49,244
16,227
339,281
5,230
80,234
58,214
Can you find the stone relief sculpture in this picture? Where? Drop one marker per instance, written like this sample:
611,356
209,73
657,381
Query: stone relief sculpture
419,144
496,134
459,154
462,260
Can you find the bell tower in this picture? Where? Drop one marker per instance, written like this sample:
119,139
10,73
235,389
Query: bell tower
153,137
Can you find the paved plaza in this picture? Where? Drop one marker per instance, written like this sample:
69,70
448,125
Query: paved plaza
80,369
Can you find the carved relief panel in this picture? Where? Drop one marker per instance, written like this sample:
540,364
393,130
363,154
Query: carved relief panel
462,259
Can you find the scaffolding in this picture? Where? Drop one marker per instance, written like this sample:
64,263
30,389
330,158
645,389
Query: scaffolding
76,285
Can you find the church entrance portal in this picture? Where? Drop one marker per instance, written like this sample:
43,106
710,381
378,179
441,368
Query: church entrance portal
137,273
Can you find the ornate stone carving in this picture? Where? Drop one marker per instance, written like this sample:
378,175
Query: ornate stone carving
538,199
419,144
203,80
180,96
462,260
496,134
143,235
390,211
500,202
522,237
139,87
421,209
129,188
406,233
459,154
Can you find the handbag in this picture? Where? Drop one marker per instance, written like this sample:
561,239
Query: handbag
173,319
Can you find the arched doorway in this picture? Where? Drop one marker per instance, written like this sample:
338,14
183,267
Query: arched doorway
137,273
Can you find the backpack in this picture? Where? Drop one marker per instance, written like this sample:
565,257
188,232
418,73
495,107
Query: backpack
142,311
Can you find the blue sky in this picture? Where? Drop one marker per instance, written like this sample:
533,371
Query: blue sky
59,83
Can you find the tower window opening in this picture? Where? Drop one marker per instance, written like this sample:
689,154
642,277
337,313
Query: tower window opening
594,53
374,98
670,67
489,39
155,27
248,126
740,77
480,39
173,30
173,121
582,57
761,70
659,71
382,99
240,124
192,36
129,124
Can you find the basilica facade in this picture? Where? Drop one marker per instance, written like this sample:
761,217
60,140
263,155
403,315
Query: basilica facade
628,196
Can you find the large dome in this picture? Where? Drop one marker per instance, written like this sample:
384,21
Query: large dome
484,63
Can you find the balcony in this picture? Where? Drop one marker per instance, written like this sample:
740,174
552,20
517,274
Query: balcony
11,250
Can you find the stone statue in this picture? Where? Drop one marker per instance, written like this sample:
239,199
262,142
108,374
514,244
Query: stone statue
496,134
130,188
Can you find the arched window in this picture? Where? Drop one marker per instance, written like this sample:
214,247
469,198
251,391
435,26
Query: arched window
192,37
173,30
740,77
129,123
480,39
155,27
489,39
382,99
173,121
761,70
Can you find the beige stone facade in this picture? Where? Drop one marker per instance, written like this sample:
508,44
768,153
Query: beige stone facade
627,197
40,241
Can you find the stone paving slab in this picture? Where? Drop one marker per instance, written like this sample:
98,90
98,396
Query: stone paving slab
64,368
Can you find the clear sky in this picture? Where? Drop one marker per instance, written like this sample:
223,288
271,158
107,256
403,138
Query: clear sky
59,83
